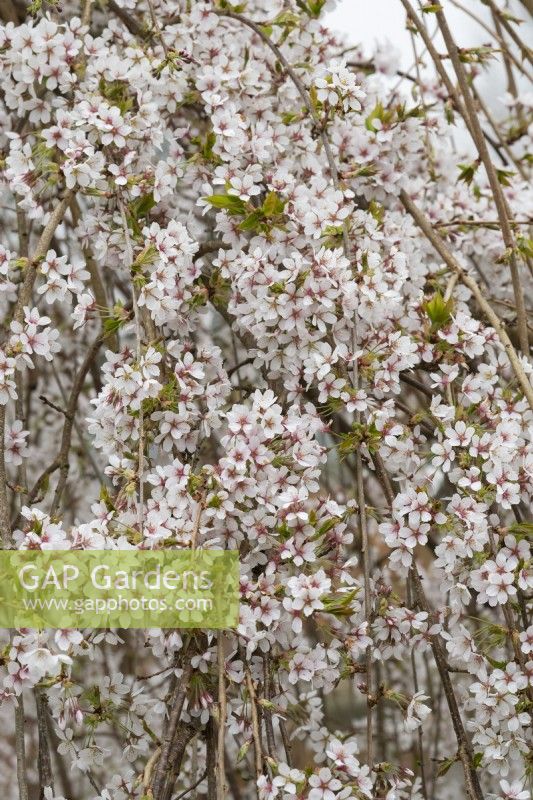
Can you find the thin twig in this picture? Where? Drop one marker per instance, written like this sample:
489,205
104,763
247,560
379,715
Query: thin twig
256,733
269,728
88,450
138,340
416,688
40,251
20,749
196,523
5,523
97,284
157,27
44,763
365,553
190,789
61,460
465,752
175,714
221,773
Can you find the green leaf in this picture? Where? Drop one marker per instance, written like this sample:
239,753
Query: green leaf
313,96
438,310
328,525
252,221
341,604
243,750
117,94
277,288
315,7
288,18
431,8
525,246
273,205
448,111
268,704
504,176
510,17
227,202
207,147
467,172
111,325
142,206
378,113
377,211
476,55
145,258
522,529
237,9
105,498
289,116
445,766
494,662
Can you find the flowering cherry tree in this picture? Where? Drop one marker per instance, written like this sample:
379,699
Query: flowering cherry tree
265,291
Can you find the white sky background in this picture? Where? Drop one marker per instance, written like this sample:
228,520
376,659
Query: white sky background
369,21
